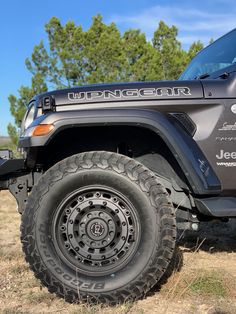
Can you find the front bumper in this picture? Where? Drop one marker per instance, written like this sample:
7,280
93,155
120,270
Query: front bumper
9,167
15,177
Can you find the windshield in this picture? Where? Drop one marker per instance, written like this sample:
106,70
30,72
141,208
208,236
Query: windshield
217,56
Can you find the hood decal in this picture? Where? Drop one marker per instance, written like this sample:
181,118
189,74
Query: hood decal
130,93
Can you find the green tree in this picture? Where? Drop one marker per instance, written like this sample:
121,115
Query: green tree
17,105
72,56
171,56
194,49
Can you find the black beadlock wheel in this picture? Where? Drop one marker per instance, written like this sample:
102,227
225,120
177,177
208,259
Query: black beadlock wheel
99,227
97,230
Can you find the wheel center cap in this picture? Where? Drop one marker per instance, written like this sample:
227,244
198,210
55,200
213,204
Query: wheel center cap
97,229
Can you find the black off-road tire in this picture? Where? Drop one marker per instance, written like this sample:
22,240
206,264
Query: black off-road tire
91,202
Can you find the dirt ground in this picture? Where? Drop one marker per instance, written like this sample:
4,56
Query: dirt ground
203,282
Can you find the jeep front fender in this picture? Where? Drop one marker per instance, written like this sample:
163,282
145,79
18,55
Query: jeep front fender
181,144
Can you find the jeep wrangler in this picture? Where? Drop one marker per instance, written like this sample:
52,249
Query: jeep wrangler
109,173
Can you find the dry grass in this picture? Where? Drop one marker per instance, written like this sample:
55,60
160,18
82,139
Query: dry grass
205,283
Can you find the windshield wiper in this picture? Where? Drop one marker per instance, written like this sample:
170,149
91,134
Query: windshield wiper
224,75
202,76
205,75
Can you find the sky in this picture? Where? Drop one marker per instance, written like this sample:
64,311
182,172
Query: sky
22,27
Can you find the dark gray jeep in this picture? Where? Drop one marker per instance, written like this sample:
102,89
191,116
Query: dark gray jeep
109,173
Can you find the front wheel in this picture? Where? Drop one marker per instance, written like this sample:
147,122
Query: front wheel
98,227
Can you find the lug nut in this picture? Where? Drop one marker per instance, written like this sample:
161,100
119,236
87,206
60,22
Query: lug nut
194,226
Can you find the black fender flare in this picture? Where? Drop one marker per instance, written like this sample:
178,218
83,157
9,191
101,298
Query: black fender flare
184,148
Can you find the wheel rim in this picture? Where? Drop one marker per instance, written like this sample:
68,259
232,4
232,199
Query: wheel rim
96,230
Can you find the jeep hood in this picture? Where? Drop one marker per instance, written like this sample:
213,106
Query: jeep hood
101,93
